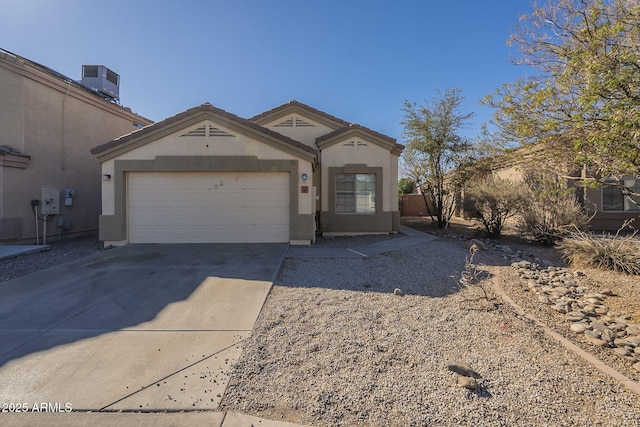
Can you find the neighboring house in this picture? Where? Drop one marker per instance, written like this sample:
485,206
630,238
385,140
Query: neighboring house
206,175
48,124
611,206
610,209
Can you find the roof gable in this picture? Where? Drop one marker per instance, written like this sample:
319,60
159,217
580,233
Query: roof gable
301,110
187,119
358,131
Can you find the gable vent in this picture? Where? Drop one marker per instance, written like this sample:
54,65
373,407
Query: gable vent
206,131
355,144
302,123
201,131
217,132
295,122
286,123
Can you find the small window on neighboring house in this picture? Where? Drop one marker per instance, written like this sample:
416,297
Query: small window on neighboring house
632,184
356,193
614,200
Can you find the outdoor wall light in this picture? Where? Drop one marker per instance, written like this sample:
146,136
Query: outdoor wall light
106,177
304,176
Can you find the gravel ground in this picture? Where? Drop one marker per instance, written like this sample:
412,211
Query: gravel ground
59,252
334,346
353,241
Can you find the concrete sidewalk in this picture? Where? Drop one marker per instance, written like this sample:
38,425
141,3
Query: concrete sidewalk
12,251
123,419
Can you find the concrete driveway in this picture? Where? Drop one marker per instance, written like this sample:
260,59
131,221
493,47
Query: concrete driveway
141,327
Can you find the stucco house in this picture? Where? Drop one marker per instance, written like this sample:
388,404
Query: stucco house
607,206
206,175
48,124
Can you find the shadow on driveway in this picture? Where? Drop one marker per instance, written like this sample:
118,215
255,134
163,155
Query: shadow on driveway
119,288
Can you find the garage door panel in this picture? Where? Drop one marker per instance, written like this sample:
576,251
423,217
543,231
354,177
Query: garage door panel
184,207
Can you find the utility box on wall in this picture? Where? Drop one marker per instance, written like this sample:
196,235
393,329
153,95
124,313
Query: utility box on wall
49,201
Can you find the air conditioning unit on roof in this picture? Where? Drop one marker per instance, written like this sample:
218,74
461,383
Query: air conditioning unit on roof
102,80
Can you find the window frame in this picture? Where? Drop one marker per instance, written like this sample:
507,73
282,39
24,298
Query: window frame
353,168
624,202
368,190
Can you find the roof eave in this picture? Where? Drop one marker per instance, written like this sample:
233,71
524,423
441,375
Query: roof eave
362,132
305,110
193,116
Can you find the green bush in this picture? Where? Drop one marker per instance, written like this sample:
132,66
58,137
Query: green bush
552,210
607,252
406,186
494,201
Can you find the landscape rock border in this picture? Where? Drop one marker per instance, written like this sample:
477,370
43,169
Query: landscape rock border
585,311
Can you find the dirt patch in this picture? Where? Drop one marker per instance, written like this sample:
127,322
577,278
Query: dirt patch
466,229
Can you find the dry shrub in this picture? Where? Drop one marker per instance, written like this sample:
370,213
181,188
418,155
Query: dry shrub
494,201
552,210
618,253
473,278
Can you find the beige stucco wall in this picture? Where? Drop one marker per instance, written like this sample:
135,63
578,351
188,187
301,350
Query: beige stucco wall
392,180
239,145
11,102
337,155
512,173
56,123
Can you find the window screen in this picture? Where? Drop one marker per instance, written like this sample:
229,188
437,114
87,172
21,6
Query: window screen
356,193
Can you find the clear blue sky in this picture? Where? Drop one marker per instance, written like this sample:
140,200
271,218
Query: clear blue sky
356,59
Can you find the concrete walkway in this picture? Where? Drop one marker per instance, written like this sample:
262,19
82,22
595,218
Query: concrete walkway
12,251
412,237
124,419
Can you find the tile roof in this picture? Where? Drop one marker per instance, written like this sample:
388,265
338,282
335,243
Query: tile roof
355,126
388,141
293,103
204,108
344,126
